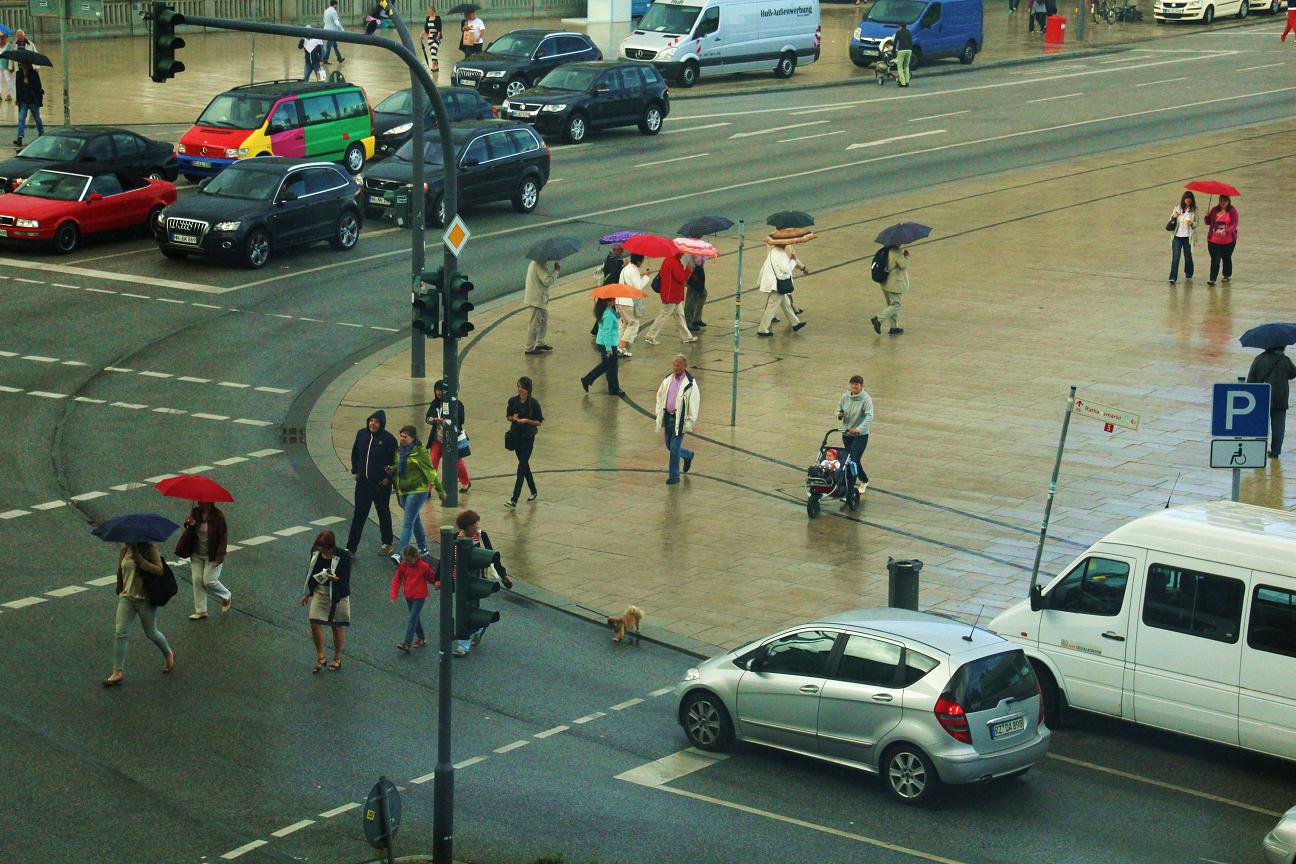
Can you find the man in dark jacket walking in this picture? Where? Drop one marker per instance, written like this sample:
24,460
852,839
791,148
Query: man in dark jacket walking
374,449
1275,368
31,96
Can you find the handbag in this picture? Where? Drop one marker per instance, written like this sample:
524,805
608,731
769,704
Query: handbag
510,441
783,286
162,588
1172,224
464,449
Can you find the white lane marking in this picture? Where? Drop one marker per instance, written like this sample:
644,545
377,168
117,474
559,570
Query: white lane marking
338,811
882,141
384,329
110,276
29,281
1163,81
134,406
234,384
197,469
349,324
774,129
39,358
246,422
99,290
88,496
296,826
629,703
49,505
662,691
256,541
1035,70
822,110
244,849
580,721
67,591
169,411
90,400
233,460
327,520
296,529
147,373
102,581
45,394
668,161
126,487
671,767
192,380
205,305
159,478
136,296
1161,784
468,763
14,514
279,390
550,732
417,781
1265,66
259,454
689,129
1051,98
808,137
205,416
4,388
74,363
509,748
117,369
937,116
28,601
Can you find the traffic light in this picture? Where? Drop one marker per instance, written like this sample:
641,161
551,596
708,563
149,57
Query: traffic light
470,588
427,303
458,306
166,42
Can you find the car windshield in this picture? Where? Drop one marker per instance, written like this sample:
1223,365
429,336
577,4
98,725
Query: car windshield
982,684
570,78
54,185
431,152
62,148
236,111
514,45
400,102
234,182
668,18
895,11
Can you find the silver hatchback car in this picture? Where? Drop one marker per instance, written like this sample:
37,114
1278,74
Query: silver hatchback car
918,698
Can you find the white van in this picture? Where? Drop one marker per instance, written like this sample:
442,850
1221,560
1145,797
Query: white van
684,37
1184,620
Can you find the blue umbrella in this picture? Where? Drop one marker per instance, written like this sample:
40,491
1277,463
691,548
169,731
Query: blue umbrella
1269,336
703,225
905,232
135,528
616,237
6,30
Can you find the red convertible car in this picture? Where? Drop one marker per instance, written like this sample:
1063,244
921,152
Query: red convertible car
61,204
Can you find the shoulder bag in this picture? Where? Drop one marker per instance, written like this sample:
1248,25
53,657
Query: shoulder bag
162,588
1173,223
783,286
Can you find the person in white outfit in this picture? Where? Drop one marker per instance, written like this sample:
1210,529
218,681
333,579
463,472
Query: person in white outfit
628,309
203,543
539,279
6,74
332,22
779,265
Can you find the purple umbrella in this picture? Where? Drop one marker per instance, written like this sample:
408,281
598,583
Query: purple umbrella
616,237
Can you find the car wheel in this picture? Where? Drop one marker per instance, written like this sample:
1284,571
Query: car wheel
515,86
1273,7
256,249
66,238
435,213
651,121
527,196
786,66
688,75
968,54
706,721
346,232
1244,9
576,129
156,174
154,227
916,58
1209,15
354,158
909,775
263,154
1051,695
812,506
174,254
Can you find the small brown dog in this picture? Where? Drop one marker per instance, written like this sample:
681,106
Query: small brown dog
629,621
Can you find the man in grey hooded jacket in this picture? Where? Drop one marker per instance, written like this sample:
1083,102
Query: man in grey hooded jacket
855,416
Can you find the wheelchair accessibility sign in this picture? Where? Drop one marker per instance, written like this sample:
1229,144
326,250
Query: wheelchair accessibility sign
1239,452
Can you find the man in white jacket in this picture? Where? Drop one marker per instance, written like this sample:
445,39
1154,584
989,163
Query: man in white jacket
333,22
539,279
678,401
779,264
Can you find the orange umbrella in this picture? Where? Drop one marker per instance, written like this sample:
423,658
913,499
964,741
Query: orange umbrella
615,290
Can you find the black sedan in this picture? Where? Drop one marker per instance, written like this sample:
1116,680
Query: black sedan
574,99
256,205
393,118
517,60
114,149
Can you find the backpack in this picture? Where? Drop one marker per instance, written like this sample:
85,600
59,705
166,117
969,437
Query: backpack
879,270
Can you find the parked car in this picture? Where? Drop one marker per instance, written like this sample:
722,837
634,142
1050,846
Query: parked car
1280,843
920,699
1204,11
941,28
1271,7
498,161
111,148
311,119
394,116
62,204
258,205
573,99
517,60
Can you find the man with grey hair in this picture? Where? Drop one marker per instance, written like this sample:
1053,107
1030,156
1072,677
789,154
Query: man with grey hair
539,279
678,402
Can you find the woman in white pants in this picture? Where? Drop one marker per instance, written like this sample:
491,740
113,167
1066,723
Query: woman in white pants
6,73
635,275
203,543
779,264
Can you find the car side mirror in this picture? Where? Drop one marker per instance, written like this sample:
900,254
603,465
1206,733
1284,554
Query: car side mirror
602,88
202,184
1036,598
275,128
470,162
286,196
95,196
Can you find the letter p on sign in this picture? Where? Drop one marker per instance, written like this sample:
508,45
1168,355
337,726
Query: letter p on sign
1239,405
1240,411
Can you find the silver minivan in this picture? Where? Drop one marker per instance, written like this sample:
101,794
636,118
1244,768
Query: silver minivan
918,698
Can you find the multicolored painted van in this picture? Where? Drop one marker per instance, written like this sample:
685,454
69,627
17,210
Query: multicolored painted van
317,120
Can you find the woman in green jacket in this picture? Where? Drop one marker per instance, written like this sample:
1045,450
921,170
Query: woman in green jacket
413,476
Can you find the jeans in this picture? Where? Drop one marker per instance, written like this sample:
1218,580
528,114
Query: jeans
414,626
330,47
855,446
377,496
412,522
311,67
1277,429
674,445
23,108
607,366
465,645
1219,252
206,580
127,609
1178,245
523,450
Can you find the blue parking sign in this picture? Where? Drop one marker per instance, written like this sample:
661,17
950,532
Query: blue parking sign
1240,411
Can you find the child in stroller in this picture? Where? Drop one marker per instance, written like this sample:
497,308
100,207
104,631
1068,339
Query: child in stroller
832,477
884,68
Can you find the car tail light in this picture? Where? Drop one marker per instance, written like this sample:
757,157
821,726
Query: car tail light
953,719
494,111
1040,690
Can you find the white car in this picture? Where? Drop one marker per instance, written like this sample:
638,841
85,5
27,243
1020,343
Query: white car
1273,7
1280,843
1204,11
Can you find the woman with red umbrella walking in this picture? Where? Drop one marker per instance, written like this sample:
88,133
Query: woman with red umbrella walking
204,539
1222,224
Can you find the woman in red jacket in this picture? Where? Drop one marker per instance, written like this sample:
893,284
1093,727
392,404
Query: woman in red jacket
412,576
674,279
1221,237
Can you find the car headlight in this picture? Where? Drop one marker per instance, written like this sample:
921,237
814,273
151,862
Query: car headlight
856,34
664,54
180,148
27,223
554,108
506,106
228,226
235,152
692,674
401,129
498,73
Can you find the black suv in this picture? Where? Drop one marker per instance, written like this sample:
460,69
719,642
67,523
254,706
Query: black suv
517,60
114,149
583,96
393,118
255,205
498,161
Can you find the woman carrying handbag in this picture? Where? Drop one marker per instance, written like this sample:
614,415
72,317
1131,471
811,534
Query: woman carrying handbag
438,413
525,417
1183,231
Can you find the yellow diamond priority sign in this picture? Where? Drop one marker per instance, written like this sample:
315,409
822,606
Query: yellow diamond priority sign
456,236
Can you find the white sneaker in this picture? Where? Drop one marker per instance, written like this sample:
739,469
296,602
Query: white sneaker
459,652
863,487
651,341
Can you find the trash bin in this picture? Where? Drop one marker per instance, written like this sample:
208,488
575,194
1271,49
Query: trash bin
902,583
1055,30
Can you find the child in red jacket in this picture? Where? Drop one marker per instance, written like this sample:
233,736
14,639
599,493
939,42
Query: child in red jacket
413,576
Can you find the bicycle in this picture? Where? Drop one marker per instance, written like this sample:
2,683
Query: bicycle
1129,12
1103,11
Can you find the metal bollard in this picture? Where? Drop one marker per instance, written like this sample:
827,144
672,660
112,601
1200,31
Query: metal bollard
902,583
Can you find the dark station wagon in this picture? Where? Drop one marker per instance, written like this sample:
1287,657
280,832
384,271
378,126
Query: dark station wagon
573,99
517,60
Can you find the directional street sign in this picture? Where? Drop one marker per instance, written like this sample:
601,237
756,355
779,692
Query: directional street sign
1239,452
1240,411
456,236
1105,414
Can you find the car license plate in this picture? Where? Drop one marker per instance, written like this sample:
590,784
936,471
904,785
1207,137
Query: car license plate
524,114
200,163
184,239
1008,727
378,201
467,82
4,232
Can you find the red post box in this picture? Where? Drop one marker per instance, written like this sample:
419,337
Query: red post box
1055,30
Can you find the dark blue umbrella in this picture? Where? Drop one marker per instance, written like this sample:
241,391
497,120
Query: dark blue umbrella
553,249
1269,336
905,232
135,528
616,237
703,225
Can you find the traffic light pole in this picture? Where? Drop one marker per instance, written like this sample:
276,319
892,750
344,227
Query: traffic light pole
443,779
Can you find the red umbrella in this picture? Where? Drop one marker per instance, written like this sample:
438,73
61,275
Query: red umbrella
194,487
1212,187
650,246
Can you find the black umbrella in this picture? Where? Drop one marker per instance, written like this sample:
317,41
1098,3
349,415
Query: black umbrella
463,9
552,249
902,233
22,55
790,219
1268,336
703,225
136,528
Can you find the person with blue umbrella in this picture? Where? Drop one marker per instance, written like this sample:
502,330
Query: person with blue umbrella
1275,368
891,271
141,584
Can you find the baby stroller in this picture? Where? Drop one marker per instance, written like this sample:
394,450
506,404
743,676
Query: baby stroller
884,68
823,479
